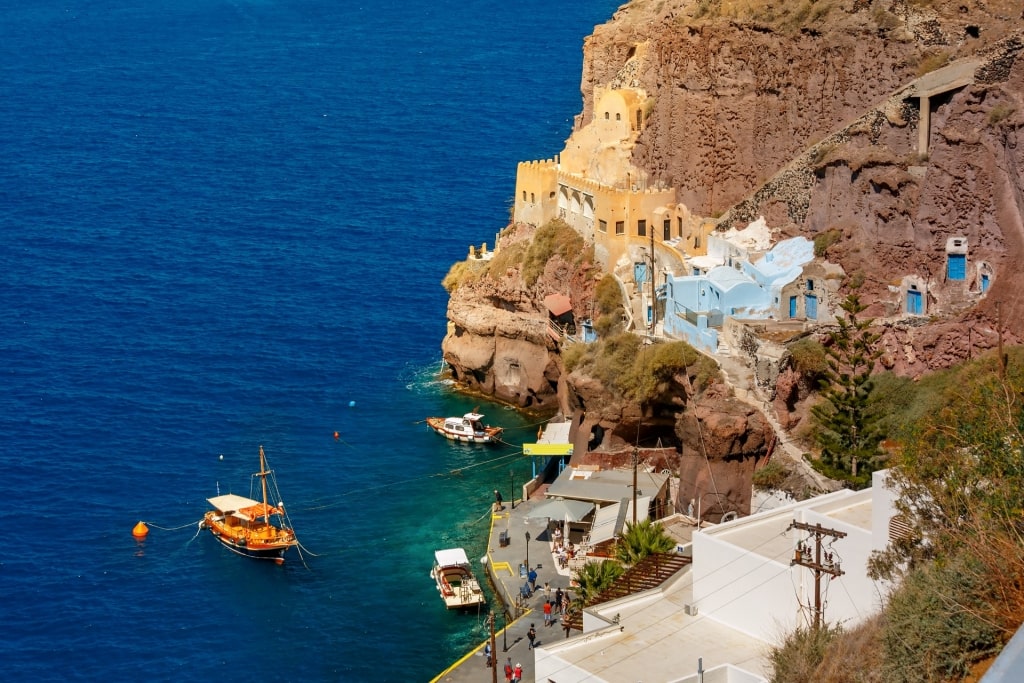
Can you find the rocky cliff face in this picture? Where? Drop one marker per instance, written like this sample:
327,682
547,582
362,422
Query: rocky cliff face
802,115
801,112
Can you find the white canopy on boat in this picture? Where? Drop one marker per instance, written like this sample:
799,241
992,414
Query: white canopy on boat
231,503
451,557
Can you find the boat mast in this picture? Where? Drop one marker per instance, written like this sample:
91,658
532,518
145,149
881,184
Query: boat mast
263,477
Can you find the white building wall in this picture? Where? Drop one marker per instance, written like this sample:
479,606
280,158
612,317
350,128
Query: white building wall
853,597
741,589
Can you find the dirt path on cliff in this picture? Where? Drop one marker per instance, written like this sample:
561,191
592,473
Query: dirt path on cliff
740,377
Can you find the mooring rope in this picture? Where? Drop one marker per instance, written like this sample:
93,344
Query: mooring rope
173,528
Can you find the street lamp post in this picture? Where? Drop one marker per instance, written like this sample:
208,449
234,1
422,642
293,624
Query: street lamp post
527,551
512,478
504,633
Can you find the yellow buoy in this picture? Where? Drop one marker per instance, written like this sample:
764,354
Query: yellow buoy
140,530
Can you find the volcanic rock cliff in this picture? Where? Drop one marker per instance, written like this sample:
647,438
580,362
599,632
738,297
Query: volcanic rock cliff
800,112
811,115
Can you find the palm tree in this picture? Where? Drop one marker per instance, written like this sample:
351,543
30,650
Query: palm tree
642,539
595,577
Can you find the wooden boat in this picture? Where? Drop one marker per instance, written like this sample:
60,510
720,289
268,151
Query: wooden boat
251,527
455,581
467,428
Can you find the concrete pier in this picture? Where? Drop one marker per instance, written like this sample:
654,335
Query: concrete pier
503,566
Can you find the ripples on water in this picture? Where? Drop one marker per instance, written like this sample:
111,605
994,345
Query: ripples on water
223,223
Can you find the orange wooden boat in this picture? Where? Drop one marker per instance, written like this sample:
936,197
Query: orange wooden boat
251,527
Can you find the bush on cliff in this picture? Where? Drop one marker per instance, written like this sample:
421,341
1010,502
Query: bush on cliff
554,238
638,372
463,272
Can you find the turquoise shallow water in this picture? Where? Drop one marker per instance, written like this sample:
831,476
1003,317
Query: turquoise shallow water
224,222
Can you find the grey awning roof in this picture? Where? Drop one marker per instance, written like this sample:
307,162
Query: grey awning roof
611,519
573,510
605,486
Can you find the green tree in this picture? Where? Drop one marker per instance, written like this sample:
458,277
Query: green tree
640,540
595,577
846,424
959,480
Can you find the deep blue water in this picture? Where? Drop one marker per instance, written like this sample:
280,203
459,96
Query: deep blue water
222,222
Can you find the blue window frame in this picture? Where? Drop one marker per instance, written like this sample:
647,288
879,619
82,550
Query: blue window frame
984,283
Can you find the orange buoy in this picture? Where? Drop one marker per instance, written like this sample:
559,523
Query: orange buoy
140,530
336,436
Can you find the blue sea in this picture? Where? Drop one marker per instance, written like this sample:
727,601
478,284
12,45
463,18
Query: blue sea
224,225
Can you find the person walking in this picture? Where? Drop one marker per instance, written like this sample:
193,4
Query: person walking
566,624
532,576
487,655
498,501
517,675
547,613
508,670
531,635
558,598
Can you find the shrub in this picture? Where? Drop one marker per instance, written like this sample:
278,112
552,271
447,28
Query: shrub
505,259
608,295
824,240
463,272
934,604
553,238
801,653
631,370
931,61
771,476
573,355
999,112
809,359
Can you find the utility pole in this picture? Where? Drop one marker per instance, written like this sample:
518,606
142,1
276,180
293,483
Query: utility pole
654,301
636,459
999,330
494,658
802,557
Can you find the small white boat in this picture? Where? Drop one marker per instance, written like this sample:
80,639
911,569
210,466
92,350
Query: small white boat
455,581
467,428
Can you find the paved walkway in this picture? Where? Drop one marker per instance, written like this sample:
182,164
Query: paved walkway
503,565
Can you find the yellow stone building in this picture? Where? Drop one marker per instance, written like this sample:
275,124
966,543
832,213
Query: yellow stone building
593,186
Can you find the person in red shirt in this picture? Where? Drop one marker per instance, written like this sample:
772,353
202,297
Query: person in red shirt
547,613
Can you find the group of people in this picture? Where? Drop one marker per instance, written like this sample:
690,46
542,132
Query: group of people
563,549
513,674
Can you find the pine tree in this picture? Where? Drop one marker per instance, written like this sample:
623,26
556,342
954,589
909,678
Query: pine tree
847,429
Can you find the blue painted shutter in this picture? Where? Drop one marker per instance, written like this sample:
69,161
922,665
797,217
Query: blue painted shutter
792,307
984,283
914,302
956,268
811,303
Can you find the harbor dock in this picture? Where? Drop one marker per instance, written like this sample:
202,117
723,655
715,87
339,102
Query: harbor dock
515,543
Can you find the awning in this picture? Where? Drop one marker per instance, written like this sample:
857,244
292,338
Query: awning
558,304
552,449
610,520
231,503
451,557
573,510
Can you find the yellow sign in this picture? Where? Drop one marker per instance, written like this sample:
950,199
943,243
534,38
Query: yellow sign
535,449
